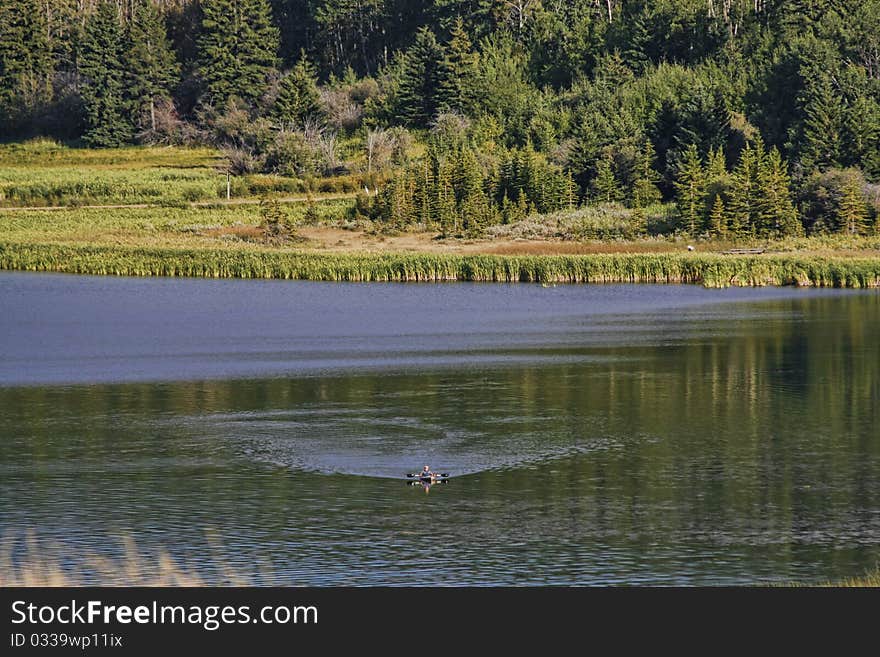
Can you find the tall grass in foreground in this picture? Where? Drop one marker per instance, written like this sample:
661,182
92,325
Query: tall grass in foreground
29,561
706,269
871,579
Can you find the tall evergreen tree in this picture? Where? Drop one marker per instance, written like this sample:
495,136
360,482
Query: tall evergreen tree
718,217
705,120
444,192
25,62
861,139
456,73
823,125
417,90
100,61
690,188
298,99
237,48
425,193
717,179
716,168
775,213
399,196
150,64
605,187
745,189
852,209
638,36
645,191
472,204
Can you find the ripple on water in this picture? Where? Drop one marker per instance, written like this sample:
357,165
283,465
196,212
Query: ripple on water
332,440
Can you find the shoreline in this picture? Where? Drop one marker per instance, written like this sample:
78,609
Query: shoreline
709,270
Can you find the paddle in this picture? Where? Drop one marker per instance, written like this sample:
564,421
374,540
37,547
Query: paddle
419,474
416,482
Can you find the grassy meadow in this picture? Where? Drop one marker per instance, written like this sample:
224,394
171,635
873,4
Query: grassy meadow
43,173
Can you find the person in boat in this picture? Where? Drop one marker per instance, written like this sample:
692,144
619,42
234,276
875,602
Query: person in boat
426,473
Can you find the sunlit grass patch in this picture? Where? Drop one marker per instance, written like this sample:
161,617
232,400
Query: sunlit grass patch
49,154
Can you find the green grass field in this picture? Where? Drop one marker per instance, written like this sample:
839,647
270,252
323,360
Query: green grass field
44,173
211,226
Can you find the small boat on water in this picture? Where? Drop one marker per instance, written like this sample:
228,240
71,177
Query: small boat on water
427,477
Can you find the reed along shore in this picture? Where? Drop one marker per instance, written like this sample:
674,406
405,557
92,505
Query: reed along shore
710,270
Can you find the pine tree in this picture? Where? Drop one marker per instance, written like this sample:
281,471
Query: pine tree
512,176
862,134
523,208
571,192
474,207
716,169
638,42
311,216
690,188
554,188
823,125
530,176
398,197
775,214
237,49
507,210
417,90
298,99
639,222
605,188
717,180
705,120
456,72
645,191
852,209
444,193
718,217
745,189
275,224
100,61
25,61
424,196
151,67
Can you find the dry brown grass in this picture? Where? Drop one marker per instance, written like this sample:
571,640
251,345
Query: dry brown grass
579,248
337,239
239,231
870,579
30,561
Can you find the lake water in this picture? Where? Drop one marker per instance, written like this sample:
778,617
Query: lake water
614,434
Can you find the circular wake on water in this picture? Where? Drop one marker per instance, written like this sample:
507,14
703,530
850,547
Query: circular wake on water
337,440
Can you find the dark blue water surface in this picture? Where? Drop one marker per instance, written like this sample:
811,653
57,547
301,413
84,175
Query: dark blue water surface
597,434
